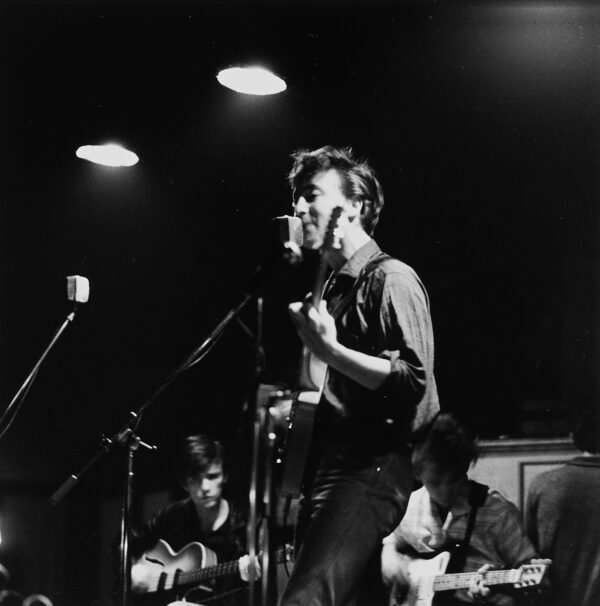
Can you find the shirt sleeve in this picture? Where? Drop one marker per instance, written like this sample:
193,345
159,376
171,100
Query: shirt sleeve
415,531
166,524
144,537
397,539
512,542
531,512
404,338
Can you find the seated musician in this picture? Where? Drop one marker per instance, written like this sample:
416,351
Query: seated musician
204,517
438,516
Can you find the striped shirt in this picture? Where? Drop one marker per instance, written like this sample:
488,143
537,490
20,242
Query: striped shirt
498,536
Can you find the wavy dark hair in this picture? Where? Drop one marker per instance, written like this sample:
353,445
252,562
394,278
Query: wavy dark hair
359,180
449,445
196,454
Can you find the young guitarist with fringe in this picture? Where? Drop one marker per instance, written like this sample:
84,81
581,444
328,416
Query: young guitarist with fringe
195,544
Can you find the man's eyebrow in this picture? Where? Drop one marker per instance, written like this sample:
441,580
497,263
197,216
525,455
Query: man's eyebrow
309,186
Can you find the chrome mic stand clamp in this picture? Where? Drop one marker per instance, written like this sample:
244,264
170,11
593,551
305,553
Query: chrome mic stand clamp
130,440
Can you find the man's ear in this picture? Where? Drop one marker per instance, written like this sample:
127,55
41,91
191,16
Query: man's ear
354,210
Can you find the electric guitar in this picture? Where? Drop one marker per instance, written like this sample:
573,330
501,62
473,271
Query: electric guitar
426,577
311,380
161,569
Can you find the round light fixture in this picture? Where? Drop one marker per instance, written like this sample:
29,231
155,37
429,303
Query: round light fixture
107,155
251,80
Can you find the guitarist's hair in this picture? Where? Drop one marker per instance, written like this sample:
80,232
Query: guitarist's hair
448,445
359,180
196,454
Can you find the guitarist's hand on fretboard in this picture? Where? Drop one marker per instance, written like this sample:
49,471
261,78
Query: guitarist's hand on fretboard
477,588
316,328
244,563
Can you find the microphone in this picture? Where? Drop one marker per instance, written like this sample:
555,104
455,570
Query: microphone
78,289
289,229
286,239
287,232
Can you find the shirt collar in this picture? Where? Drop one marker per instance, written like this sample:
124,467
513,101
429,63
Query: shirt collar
462,506
589,461
359,259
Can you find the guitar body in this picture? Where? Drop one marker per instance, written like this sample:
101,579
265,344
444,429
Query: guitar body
299,434
426,577
312,373
161,570
161,567
301,423
421,574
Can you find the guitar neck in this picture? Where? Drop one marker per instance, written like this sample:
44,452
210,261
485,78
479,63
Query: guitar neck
331,242
204,574
220,570
320,278
461,580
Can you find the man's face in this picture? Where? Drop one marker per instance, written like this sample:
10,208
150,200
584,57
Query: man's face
206,488
443,485
316,197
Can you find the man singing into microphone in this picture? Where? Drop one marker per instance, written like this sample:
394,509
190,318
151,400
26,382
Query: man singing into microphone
373,330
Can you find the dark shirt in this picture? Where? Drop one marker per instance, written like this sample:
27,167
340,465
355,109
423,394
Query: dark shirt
381,309
563,522
179,524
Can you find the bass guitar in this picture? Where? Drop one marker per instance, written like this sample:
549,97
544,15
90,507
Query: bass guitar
311,381
426,577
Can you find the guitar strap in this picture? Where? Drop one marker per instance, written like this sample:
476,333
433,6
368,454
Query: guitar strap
477,496
341,305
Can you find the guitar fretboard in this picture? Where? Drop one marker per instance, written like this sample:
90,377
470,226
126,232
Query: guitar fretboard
220,570
204,574
461,580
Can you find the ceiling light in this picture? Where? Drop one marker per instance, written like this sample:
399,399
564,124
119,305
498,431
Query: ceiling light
251,80
107,155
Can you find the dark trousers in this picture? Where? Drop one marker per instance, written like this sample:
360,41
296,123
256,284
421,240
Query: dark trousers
355,500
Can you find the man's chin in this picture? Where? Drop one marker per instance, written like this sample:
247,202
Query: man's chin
311,243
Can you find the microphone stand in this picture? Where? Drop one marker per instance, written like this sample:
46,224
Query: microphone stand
251,527
261,514
128,437
24,389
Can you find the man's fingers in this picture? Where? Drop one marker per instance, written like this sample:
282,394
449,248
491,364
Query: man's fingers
295,308
244,566
477,588
244,563
296,311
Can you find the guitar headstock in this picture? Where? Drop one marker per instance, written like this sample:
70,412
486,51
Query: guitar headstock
332,240
532,574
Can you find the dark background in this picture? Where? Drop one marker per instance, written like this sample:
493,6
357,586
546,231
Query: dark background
481,118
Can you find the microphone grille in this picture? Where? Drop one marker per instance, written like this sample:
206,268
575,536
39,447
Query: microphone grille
78,289
288,229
